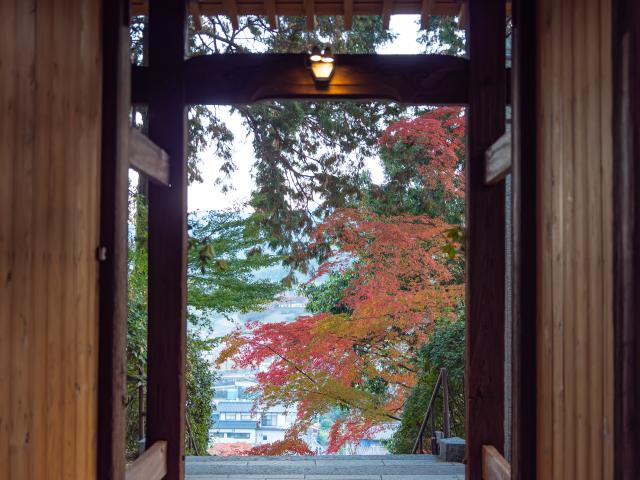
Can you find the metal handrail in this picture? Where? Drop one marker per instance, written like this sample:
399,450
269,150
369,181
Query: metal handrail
444,383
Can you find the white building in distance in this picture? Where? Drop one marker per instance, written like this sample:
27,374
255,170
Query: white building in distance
242,421
238,418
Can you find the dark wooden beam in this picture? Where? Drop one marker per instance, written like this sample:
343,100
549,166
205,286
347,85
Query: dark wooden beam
247,78
427,8
626,228
485,245
270,7
232,12
498,159
462,15
348,14
148,158
196,14
524,224
167,236
112,252
310,13
387,6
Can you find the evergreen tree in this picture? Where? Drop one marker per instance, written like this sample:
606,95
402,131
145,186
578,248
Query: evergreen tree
225,250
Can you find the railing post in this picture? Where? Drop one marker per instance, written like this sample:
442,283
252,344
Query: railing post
433,420
445,403
432,437
418,443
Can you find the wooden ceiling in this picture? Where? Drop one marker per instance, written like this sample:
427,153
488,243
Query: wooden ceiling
310,8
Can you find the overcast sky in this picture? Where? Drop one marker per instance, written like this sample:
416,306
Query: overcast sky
207,195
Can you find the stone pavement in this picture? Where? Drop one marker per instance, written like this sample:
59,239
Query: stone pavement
324,467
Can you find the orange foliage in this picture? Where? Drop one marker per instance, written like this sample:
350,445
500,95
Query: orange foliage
400,286
436,136
400,283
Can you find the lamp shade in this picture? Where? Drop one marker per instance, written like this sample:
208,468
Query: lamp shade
322,71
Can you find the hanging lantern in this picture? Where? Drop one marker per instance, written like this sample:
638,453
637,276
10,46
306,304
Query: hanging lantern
322,66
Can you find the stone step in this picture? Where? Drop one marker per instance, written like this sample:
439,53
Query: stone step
327,477
324,467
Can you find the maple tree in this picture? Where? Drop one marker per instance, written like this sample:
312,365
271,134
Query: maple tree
392,264
290,445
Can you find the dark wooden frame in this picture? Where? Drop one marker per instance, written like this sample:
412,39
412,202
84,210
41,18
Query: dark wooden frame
626,240
485,253
524,224
112,252
252,77
484,385
167,324
170,83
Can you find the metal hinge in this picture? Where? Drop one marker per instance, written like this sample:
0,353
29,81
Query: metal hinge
101,254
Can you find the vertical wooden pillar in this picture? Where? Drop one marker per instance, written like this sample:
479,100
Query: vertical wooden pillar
485,271
167,235
524,271
626,178
112,386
